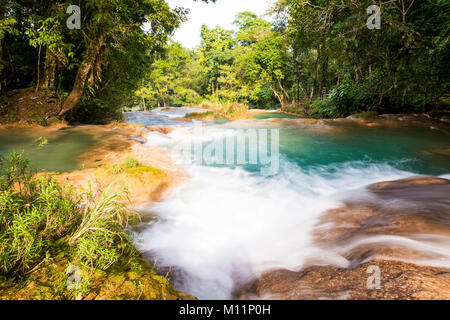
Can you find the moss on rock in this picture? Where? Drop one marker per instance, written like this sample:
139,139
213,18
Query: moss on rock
129,279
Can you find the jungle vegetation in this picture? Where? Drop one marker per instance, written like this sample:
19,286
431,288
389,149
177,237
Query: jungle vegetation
311,57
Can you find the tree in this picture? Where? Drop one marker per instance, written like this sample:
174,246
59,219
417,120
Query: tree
7,26
165,80
215,52
107,26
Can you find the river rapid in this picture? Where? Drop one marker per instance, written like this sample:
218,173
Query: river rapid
230,222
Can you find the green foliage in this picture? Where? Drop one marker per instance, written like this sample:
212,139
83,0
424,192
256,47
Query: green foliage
199,114
100,237
227,111
166,80
33,214
85,63
319,58
310,50
36,214
346,99
95,111
14,171
130,163
222,70
367,115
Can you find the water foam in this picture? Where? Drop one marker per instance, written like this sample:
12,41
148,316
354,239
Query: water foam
224,225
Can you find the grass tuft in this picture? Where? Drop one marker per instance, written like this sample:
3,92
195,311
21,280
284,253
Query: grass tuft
131,163
38,213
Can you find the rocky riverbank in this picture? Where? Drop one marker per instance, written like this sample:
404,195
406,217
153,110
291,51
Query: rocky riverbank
402,228
385,120
152,177
147,174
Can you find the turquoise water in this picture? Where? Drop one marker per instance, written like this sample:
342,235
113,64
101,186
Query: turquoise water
59,154
413,149
229,223
408,149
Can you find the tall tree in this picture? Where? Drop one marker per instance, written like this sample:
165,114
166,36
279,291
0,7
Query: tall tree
107,25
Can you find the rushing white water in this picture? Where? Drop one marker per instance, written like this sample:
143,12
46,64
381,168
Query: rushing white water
224,225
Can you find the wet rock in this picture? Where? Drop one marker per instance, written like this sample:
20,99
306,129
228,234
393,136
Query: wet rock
156,176
398,280
402,228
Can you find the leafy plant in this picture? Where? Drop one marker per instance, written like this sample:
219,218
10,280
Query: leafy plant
130,163
101,236
33,214
37,215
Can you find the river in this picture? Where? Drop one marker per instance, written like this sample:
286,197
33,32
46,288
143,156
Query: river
229,223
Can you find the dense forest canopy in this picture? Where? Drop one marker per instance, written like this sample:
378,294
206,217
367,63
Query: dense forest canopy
315,58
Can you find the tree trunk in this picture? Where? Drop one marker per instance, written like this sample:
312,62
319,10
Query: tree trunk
38,68
1,67
316,73
279,96
48,81
84,70
323,76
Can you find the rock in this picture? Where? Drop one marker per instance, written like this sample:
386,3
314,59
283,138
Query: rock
403,228
154,178
398,280
120,282
442,151
408,183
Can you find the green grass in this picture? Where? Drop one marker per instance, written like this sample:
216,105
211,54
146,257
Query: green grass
37,213
131,166
205,116
140,169
130,163
199,114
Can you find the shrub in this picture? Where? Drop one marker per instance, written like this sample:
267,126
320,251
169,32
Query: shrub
204,116
323,109
230,111
95,111
36,213
100,237
346,99
33,213
130,163
367,115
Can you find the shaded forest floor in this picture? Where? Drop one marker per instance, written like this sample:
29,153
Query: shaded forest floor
26,106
